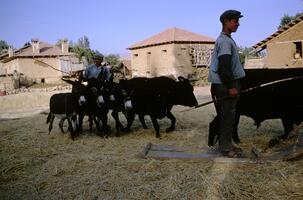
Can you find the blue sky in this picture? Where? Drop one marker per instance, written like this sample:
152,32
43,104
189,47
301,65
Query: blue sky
113,25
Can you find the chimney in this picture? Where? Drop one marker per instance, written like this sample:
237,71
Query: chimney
10,51
35,45
64,45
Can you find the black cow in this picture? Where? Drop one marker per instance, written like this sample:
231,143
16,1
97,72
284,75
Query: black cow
156,97
282,100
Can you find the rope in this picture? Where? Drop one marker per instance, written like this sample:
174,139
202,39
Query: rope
52,66
244,91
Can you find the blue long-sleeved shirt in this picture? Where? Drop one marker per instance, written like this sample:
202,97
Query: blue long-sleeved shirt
93,71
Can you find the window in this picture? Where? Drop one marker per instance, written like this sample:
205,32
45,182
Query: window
164,53
135,55
183,52
298,53
148,64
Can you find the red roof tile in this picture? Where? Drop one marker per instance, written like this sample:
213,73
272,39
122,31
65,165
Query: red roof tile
45,50
173,35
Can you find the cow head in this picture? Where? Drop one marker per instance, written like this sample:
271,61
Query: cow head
184,93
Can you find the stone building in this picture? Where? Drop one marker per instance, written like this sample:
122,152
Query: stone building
172,52
40,62
282,49
125,68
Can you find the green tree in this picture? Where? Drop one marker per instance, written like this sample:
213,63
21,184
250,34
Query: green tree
83,42
244,52
3,46
114,61
82,49
287,18
26,44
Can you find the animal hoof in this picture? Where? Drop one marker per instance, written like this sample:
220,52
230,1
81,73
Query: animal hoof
212,140
237,141
125,129
170,129
283,137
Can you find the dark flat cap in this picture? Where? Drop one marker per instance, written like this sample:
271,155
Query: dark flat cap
98,56
230,14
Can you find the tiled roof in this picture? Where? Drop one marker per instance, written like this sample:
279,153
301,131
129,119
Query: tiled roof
45,50
262,44
173,35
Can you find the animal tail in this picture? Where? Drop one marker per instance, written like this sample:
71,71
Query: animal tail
49,117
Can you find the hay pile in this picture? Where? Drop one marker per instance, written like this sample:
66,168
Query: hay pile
35,165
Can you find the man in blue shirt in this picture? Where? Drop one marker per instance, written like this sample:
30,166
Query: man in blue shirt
224,74
97,70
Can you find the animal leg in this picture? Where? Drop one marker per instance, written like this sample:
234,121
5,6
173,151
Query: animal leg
213,131
130,116
235,134
115,115
48,117
172,118
156,126
90,118
51,120
97,122
61,125
288,127
141,118
70,127
104,126
80,122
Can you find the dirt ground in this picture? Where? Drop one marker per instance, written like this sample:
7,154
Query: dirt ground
35,165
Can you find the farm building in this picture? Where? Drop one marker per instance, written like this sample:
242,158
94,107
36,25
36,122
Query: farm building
282,49
125,68
39,62
172,52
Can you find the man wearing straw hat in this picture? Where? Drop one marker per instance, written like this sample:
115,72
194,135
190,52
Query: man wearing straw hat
224,74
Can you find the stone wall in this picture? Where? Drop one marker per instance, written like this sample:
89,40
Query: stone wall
47,89
200,76
7,83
